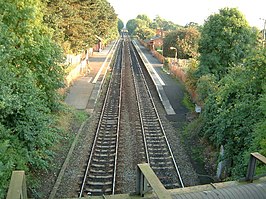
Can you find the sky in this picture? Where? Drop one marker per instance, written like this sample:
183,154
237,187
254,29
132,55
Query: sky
182,12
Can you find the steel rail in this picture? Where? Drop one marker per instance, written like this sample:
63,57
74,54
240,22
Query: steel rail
140,114
159,120
98,130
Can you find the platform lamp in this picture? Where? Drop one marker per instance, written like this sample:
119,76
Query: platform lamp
173,48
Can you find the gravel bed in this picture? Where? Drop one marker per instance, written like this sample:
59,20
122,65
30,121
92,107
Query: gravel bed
131,147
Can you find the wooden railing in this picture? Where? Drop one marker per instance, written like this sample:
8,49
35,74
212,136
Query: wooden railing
252,165
17,187
145,176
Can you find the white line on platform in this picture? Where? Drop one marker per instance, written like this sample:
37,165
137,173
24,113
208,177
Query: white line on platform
100,71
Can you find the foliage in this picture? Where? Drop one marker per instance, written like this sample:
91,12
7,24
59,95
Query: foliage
145,28
30,78
131,26
120,25
159,22
185,40
259,143
225,41
191,79
76,23
140,27
233,113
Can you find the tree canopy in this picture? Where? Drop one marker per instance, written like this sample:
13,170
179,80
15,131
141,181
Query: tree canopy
225,41
76,23
120,25
145,28
185,40
30,78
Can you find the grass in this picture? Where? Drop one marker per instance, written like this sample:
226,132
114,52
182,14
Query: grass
188,103
68,123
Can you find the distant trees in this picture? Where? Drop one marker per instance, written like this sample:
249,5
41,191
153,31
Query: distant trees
185,40
161,23
131,26
141,26
120,25
145,28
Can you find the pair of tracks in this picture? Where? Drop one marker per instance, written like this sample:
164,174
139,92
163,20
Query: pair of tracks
100,174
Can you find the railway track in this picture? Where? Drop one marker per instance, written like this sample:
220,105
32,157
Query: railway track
100,173
158,151
101,169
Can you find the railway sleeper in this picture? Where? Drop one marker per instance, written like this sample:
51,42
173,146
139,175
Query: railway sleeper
104,155
96,165
162,162
100,183
152,128
105,161
107,138
107,147
157,145
105,133
101,171
157,167
154,125
97,177
155,152
155,140
160,157
151,119
111,142
152,153
101,150
108,126
153,133
99,191
155,136
110,121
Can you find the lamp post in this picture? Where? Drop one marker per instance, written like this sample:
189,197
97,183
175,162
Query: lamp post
173,48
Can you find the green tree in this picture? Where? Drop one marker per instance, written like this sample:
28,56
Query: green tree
77,22
120,25
233,114
225,41
185,40
159,22
131,26
29,80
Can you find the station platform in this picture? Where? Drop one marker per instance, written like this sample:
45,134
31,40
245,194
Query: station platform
170,91
84,92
